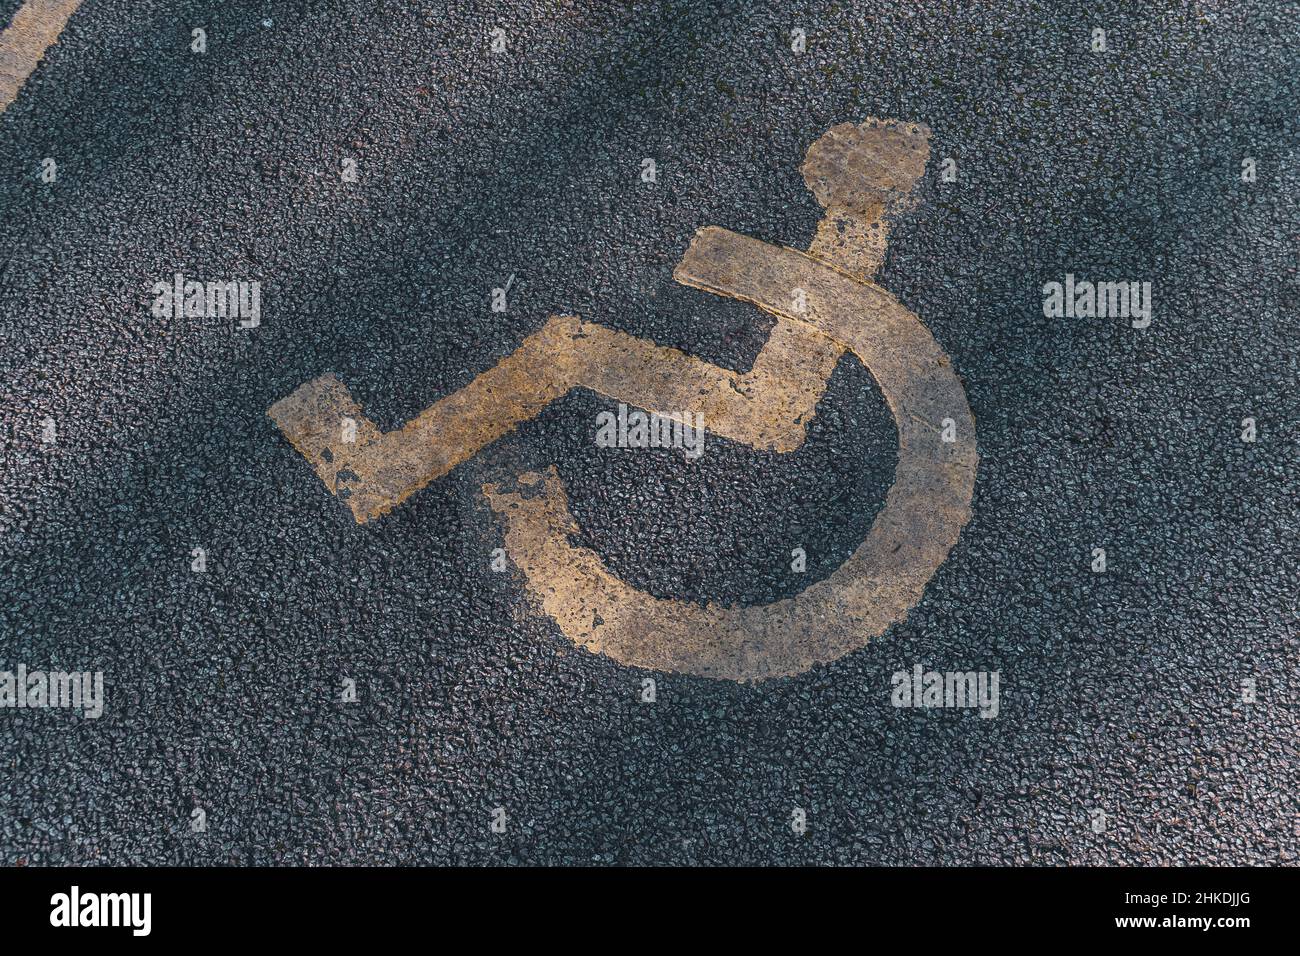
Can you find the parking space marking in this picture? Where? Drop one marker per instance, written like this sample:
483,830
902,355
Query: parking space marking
34,29
925,510
824,304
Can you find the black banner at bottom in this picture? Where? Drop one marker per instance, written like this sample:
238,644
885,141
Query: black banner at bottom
334,906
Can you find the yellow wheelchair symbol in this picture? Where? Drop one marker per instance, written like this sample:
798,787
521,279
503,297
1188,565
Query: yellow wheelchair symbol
824,303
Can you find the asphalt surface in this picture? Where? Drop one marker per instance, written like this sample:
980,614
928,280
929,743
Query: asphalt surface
1120,692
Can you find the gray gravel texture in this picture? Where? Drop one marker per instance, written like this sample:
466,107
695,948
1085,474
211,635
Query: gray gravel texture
1121,692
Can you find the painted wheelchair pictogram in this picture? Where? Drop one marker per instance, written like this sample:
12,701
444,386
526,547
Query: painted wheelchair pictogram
825,304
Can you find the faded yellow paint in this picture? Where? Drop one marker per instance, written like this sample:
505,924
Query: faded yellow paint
862,175
924,511
766,407
34,28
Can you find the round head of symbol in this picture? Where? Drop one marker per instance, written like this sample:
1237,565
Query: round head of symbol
867,168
